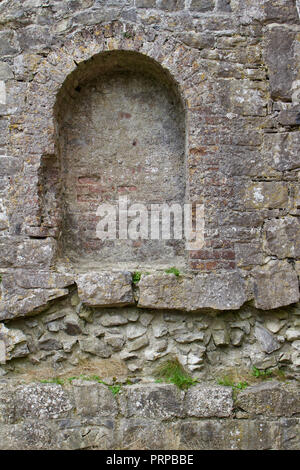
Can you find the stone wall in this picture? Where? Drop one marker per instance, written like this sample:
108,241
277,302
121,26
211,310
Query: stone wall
87,415
219,82
132,342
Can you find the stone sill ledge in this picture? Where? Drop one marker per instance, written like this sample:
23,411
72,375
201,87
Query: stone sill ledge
26,292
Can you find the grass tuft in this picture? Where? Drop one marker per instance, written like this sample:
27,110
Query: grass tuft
171,371
261,373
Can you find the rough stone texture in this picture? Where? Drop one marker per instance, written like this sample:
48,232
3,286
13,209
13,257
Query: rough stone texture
191,100
166,291
100,289
156,401
270,399
34,401
13,344
204,401
241,434
67,333
28,293
210,71
282,237
279,51
275,284
87,415
94,400
139,154
267,341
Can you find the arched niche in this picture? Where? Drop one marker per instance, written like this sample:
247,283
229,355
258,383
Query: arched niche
120,132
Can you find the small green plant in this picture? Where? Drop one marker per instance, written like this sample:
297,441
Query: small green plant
241,385
136,277
173,271
55,380
234,385
115,389
70,379
261,373
172,371
0,278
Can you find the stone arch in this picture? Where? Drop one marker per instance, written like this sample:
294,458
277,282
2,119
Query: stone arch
163,60
121,133
198,92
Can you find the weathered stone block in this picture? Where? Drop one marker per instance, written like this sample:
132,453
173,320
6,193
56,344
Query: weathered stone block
289,117
138,343
5,71
293,334
13,344
9,44
202,5
29,435
241,434
25,301
198,40
249,254
85,436
166,291
48,343
9,166
154,401
36,253
270,399
96,346
246,98
270,195
145,3
208,401
170,5
107,288
267,341
282,237
282,149
94,400
41,401
135,331
275,285
279,52
139,433
29,279
112,319
280,11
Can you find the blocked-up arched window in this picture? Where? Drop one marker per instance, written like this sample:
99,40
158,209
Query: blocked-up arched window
121,133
